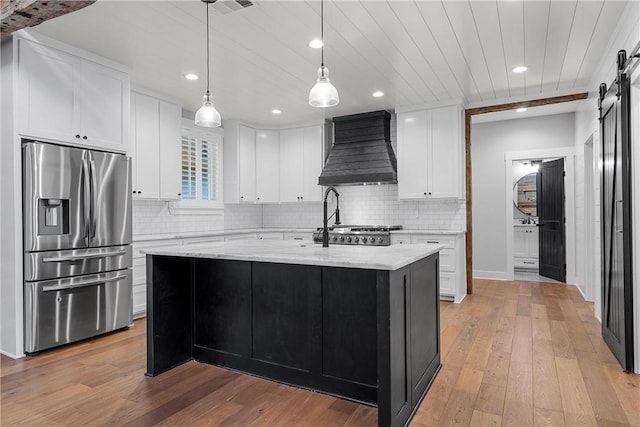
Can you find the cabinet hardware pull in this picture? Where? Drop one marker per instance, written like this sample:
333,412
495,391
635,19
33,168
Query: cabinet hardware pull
77,136
433,241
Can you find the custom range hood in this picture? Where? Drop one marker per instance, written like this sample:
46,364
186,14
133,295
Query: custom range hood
361,151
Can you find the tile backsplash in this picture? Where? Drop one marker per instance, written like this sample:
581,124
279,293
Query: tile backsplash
372,204
154,217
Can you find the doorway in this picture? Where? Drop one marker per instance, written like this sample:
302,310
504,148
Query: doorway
523,249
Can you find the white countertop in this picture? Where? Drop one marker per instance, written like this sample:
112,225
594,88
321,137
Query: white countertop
291,252
167,236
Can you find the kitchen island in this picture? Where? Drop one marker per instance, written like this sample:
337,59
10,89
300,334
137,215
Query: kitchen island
356,322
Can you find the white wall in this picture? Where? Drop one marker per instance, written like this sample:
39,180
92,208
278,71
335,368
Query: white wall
489,143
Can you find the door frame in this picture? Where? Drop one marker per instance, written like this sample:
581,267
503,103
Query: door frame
568,153
468,113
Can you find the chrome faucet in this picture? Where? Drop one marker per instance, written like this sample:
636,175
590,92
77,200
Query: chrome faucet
325,220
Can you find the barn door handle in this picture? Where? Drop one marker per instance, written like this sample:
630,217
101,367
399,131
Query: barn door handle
614,216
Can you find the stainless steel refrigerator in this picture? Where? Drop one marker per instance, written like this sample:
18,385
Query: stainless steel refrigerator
77,244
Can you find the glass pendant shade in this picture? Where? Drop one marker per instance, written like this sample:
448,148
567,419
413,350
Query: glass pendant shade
323,94
207,116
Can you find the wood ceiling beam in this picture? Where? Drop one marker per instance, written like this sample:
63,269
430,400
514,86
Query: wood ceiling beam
18,14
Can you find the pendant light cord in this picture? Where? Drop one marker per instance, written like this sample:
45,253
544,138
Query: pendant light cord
208,48
322,34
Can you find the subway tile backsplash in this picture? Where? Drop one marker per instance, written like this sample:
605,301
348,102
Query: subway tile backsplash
372,204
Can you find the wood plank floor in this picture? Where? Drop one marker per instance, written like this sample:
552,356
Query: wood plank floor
514,354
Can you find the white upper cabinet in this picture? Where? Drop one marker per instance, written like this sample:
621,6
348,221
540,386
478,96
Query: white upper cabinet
430,153
64,97
271,166
247,164
155,147
170,150
300,164
145,125
291,165
267,166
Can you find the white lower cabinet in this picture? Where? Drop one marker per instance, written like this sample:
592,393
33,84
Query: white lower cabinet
453,283
525,247
140,273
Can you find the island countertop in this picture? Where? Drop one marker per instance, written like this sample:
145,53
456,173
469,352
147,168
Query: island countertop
389,258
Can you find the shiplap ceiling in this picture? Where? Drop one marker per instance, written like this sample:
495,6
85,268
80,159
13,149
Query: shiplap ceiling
414,51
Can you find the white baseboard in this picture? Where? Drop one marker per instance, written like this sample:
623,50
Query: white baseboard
494,275
11,355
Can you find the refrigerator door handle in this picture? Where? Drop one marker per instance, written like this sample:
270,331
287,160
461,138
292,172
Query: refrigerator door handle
86,196
81,257
92,172
82,284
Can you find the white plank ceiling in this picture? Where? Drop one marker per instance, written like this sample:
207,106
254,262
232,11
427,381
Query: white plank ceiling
414,51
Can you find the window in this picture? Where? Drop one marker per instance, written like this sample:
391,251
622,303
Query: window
201,169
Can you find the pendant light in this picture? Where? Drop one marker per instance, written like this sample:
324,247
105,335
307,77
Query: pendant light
207,116
323,94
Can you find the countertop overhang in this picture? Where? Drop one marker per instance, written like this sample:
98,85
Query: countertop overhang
390,258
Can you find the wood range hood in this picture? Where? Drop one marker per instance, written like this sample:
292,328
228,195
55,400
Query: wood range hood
361,151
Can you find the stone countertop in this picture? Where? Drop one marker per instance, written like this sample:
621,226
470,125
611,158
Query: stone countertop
439,232
291,252
167,236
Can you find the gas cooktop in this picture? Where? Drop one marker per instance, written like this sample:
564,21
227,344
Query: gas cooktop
364,235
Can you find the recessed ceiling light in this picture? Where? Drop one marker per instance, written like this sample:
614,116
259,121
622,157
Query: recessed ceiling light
191,76
315,43
378,93
521,110
519,69
276,111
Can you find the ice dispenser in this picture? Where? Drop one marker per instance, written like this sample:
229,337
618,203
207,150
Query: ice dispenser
53,216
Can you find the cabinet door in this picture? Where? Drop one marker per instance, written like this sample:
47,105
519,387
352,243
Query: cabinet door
444,166
520,236
103,93
290,165
46,98
311,163
247,164
267,166
532,243
412,155
145,154
170,150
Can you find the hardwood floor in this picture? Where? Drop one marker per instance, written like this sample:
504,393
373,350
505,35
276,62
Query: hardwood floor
514,353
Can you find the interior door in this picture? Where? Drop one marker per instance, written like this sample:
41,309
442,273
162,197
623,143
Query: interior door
617,304
551,237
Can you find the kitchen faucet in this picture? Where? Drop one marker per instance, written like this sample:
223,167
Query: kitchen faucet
325,220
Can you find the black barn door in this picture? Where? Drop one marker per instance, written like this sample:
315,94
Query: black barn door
551,236
617,304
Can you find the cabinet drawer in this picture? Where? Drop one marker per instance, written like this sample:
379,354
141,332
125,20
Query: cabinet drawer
448,242
270,236
201,241
400,240
249,236
527,263
303,237
447,283
448,260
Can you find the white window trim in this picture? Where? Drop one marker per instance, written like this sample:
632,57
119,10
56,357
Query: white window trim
203,207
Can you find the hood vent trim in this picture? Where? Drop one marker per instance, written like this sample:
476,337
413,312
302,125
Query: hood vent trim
361,151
